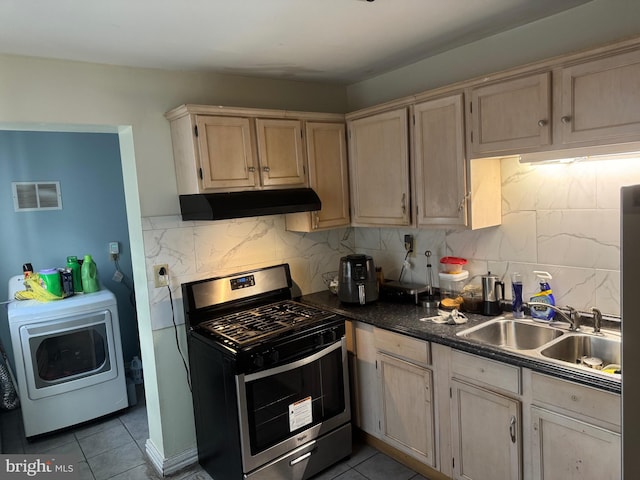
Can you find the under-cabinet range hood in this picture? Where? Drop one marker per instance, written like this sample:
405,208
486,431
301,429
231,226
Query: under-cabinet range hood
254,203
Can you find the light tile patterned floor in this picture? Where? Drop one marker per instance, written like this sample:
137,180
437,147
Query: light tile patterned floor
113,449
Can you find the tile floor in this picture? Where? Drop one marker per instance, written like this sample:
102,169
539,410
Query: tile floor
113,449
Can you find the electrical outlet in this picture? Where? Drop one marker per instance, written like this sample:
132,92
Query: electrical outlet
408,243
161,275
114,248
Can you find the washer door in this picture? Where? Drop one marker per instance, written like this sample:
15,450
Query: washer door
68,353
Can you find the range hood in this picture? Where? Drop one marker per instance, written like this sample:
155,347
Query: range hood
253,203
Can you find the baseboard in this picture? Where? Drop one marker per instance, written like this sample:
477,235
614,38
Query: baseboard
168,466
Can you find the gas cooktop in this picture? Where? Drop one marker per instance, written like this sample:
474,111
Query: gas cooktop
246,327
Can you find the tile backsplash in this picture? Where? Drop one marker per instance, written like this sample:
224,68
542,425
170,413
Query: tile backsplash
561,218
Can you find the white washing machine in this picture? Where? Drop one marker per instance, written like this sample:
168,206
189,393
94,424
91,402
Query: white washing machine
68,359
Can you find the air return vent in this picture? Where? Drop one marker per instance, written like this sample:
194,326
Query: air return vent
29,196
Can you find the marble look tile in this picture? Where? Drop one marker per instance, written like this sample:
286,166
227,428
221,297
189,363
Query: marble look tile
163,222
173,246
608,291
552,186
514,239
234,245
579,238
613,174
368,238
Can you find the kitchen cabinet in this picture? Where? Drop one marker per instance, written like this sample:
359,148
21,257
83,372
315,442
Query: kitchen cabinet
575,431
511,116
328,177
224,149
406,395
601,100
379,169
368,404
485,419
440,174
280,152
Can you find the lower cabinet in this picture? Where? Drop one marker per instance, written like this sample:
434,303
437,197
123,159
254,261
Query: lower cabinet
407,420
468,417
486,434
564,448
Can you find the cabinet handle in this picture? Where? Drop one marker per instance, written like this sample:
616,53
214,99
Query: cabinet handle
316,220
566,119
462,202
266,169
403,203
512,429
300,458
542,123
252,169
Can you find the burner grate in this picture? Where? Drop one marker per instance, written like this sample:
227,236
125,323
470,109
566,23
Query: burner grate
249,326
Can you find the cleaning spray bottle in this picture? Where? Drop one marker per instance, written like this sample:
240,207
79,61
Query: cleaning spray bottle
545,295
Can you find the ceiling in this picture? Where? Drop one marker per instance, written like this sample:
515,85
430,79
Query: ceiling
341,41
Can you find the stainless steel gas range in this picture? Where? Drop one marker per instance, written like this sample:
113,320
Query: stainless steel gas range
269,377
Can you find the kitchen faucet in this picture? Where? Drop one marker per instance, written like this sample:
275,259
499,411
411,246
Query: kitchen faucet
573,318
597,319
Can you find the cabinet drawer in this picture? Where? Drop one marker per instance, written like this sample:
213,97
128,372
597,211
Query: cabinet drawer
417,351
576,398
483,370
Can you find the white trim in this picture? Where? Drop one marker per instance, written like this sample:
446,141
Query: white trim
168,466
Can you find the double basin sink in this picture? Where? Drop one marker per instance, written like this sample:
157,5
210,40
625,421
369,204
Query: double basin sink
599,352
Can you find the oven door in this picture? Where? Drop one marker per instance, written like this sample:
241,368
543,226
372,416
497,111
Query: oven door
287,406
68,353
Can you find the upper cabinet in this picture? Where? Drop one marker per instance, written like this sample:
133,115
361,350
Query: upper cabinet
328,176
226,152
229,149
379,169
601,101
511,116
576,103
440,176
280,151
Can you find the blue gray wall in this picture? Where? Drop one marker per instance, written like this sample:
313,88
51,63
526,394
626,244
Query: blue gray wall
89,170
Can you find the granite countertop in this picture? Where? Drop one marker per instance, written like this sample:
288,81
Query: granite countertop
409,319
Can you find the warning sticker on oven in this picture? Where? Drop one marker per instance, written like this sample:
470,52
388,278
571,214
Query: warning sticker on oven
300,414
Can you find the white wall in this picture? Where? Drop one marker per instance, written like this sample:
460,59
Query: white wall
589,25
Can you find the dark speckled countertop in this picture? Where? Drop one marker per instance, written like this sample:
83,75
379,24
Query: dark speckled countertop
408,319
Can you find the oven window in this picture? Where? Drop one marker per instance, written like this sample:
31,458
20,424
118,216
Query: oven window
62,356
315,390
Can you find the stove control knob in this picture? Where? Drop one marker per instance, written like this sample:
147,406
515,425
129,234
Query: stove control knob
274,356
331,335
258,360
319,341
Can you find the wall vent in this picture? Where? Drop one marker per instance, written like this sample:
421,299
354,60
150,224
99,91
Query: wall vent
30,196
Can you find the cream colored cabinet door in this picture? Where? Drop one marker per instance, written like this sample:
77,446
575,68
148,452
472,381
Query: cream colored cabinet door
407,416
486,440
568,449
379,169
513,116
280,152
601,100
440,176
226,151
368,403
328,176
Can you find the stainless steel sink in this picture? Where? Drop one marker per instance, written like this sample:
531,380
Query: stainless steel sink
512,334
573,348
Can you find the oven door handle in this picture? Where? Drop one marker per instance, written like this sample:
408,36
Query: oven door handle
301,458
293,365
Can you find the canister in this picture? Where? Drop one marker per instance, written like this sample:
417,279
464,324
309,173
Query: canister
50,281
